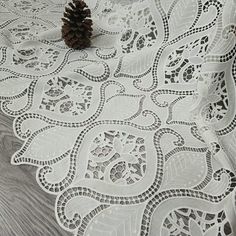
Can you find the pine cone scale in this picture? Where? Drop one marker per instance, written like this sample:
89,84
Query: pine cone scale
72,6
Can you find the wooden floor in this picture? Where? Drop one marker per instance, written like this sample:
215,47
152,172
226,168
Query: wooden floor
25,210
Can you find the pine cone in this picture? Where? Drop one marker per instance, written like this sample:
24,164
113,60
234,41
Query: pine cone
77,27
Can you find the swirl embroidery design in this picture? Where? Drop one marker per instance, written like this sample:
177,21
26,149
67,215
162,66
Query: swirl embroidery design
135,136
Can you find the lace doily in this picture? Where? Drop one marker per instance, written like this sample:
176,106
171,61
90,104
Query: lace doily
135,135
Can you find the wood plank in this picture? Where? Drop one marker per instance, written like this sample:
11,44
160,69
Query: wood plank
25,209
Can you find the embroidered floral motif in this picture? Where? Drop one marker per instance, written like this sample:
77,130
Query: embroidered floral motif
30,6
66,96
217,102
26,30
117,157
192,222
186,61
141,31
37,59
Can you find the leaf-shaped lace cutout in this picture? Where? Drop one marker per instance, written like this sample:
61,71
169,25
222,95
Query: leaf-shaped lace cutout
128,147
117,145
195,60
129,158
182,17
195,229
212,231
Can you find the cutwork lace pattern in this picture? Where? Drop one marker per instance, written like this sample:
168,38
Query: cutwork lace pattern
135,136
117,157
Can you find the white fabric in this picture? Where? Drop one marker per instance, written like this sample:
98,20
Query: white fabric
135,135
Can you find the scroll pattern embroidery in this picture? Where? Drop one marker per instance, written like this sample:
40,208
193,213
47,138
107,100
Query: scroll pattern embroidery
168,70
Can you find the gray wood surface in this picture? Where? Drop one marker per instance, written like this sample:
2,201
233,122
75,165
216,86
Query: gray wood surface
25,209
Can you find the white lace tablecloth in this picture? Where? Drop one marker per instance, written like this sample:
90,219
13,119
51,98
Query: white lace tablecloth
135,135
